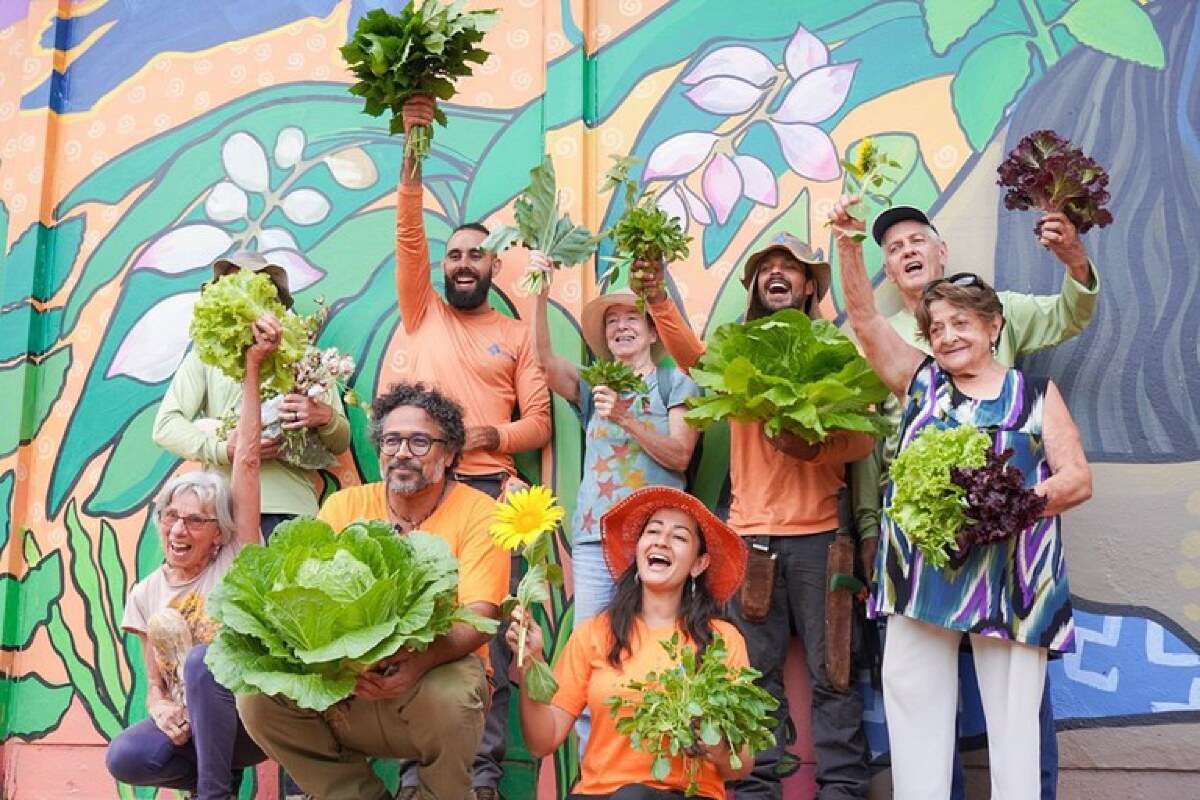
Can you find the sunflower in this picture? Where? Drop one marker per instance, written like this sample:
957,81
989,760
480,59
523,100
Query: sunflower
524,516
868,155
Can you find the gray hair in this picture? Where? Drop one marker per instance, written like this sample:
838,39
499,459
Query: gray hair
210,488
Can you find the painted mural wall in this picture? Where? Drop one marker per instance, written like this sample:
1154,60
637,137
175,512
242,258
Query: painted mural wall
139,141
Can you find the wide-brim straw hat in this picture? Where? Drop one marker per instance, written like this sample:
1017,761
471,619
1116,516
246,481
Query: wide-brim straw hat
621,527
592,325
255,262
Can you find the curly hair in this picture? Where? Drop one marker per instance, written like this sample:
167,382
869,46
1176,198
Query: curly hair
447,413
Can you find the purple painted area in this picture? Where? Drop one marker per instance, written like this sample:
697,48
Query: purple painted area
12,12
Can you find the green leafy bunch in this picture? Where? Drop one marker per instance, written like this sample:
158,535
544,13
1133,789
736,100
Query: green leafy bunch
791,373
700,701
616,375
423,50
644,232
542,226
532,591
305,615
926,503
221,332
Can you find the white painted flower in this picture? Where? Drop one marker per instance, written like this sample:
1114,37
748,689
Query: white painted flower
289,147
305,206
185,248
352,168
245,162
156,344
226,202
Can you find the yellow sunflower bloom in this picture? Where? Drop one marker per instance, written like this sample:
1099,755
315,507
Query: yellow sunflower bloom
524,516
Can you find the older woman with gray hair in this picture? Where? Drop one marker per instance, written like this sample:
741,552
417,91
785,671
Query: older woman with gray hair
193,740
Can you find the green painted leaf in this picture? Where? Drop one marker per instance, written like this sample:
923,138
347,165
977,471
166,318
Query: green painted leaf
1120,28
987,83
108,718
121,488
947,21
27,601
27,391
32,706
6,492
101,629
40,261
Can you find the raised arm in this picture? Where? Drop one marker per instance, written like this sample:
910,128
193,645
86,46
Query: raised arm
414,287
892,358
532,429
680,341
1070,482
545,725
247,459
562,376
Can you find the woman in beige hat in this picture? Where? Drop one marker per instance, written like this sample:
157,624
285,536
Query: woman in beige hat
676,565
631,440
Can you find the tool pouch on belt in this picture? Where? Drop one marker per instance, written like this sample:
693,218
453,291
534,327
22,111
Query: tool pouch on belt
842,588
755,595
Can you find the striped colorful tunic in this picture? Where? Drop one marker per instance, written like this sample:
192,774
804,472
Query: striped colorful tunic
1014,589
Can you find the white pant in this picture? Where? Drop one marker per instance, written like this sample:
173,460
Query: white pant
920,696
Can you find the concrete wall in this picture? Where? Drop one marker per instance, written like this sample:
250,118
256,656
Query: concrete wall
118,120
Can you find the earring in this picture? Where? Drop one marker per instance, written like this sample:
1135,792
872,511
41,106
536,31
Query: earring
692,585
994,348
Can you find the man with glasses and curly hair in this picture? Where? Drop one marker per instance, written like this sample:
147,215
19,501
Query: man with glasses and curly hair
427,707
914,258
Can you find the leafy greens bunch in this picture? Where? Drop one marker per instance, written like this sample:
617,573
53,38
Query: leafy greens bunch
644,232
423,50
702,700
927,505
542,226
305,615
998,503
221,332
616,375
1046,172
790,372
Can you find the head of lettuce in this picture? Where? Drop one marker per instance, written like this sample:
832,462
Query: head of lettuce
306,615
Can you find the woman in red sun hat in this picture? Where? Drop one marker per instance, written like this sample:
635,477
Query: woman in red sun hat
676,565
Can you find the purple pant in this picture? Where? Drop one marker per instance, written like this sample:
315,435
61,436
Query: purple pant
209,763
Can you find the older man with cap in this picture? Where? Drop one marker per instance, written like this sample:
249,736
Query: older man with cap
915,255
785,504
200,392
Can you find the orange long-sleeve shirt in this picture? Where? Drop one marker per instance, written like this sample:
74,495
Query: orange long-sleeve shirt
773,493
486,361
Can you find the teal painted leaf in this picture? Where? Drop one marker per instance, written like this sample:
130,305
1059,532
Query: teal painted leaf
25,331
28,601
32,706
27,391
987,83
6,491
947,21
1121,28
40,261
121,488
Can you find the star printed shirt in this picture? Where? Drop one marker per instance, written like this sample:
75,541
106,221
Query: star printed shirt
614,465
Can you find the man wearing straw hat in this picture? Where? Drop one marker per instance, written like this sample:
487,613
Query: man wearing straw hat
785,504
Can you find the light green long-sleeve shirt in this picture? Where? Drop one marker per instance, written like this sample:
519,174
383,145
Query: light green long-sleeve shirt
197,392
1031,323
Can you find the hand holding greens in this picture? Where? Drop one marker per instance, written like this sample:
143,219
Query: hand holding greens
304,616
644,232
220,329
701,701
540,227
616,375
423,50
867,176
1046,172
791,373
998,503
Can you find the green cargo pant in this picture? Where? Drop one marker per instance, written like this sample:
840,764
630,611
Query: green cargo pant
437,724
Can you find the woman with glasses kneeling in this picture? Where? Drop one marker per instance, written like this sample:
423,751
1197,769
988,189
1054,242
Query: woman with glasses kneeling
1010,595
676,565
194,740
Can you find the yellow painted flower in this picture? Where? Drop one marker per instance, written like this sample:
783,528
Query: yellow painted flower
524,516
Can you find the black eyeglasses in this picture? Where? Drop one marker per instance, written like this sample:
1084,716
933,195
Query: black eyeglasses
419,444
959,279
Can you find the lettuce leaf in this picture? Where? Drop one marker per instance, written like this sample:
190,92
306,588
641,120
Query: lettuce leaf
791,373
305,615
926,504
221,332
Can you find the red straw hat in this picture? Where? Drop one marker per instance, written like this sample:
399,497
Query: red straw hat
622,525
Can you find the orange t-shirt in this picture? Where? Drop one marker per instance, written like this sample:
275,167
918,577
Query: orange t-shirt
585,678
773,493
485,361
462,520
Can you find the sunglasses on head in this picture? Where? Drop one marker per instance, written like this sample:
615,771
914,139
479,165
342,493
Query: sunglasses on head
959,279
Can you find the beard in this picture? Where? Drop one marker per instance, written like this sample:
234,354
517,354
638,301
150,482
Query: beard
468,300
408,485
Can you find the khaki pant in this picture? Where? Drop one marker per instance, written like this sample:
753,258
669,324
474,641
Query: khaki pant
437,724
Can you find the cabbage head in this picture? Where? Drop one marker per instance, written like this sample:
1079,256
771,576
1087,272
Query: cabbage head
305,615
